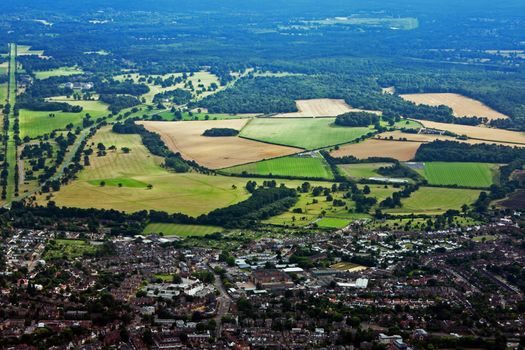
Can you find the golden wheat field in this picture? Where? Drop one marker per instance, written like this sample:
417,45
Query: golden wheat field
214,152
479,132
399,150
321,107
461,105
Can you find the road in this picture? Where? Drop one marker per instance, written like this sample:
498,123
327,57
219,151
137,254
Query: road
224,301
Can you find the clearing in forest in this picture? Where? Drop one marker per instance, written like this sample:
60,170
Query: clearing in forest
461,105
399,150
295,166
214,152
321,107
460,174
303,133
479,132
58,72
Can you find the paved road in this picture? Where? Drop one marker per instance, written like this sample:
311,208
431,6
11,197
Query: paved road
224,301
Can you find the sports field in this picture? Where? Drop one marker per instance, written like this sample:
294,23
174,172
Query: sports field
298,166
58,72
460,174
332,223
37,123
311,133
362,171
180,230
434,200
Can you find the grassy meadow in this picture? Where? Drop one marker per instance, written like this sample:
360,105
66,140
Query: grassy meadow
37,123
362,170
307,133
58,72
313,167
460,174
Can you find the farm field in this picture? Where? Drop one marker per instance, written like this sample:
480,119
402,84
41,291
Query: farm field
214,152
362,171
37,123
180,230
300,166
479,132
188,193
460,174
58,72
435,200
196,116
399,150
303,133
461,105
25,50
322,107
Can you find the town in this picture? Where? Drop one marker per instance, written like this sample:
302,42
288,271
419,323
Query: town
332,290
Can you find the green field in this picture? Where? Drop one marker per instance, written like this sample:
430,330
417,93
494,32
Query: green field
460,174
311,133
3,93
121,182
68,248
189,193
332,223
434,200
362,170
58,72
181,230
37,123
305,166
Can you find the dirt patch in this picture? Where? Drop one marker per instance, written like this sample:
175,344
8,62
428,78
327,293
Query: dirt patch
399,150
461,105
480,132
321,107
214,152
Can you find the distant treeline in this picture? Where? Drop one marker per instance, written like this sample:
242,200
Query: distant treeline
39,104
453,151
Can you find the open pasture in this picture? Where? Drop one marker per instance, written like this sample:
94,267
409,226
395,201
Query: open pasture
189,193
303,133
181,230
399,150
435,200
462,106
58,72
480,132
214,152
321,107
294,166
37,123
460,174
